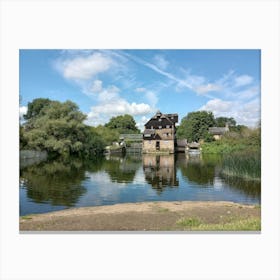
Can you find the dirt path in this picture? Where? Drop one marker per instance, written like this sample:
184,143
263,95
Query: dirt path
146,216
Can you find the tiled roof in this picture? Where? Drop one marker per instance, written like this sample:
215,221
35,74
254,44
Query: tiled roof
162,120
218,130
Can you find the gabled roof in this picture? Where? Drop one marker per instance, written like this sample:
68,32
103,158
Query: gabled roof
157,137
160,119
218,130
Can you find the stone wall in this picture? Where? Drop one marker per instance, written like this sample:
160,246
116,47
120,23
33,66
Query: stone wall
165,133
167,146
149,146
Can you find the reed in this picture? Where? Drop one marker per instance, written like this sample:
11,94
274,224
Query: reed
245,165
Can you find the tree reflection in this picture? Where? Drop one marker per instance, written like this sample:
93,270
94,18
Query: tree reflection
198,170
250,188
121,169
56,182
160,171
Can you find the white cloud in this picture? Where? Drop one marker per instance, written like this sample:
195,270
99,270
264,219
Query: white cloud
152,98
111,104
217,106
109,95
84,67
160,62
248,93
207,88
22,111
140,124
244,113
243,80
96,86
141,89
101,114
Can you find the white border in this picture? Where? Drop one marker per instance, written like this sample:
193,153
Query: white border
139,24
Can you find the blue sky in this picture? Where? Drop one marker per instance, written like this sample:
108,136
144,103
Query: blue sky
107,83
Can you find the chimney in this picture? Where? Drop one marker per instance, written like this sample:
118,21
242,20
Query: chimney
227,126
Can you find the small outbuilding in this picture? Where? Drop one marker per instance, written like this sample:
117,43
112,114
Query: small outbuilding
218,132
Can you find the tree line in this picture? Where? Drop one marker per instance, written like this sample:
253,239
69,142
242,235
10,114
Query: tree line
58,128
195,126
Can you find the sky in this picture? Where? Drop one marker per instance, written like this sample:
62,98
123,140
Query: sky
108,83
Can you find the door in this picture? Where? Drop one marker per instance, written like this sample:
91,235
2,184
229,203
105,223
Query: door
157,145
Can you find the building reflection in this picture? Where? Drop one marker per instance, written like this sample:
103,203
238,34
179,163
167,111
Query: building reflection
160,171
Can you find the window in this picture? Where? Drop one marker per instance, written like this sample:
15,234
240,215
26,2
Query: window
159,120
168,126
160,126
152,127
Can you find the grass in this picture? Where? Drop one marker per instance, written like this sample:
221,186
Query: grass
220,147
26,217
246,165
162,210
189,222
194,224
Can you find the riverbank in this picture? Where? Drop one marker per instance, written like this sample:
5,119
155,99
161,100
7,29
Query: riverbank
149,216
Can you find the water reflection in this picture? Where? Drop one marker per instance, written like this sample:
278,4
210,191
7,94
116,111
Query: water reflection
74,183
56,182
121,169
201,171
160,171
249,188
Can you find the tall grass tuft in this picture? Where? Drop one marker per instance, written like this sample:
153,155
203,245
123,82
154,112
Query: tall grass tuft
245,165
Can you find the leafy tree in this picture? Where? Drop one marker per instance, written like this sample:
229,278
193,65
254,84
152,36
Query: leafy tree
123,124
222,121
195,126
108,135
238,128
59,129
34,108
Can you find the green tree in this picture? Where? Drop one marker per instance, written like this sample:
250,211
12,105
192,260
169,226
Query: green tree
35,107
123,124
58,128
222,121
238,128
195,126
108,135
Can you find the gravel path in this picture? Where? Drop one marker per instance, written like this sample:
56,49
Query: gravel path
146,216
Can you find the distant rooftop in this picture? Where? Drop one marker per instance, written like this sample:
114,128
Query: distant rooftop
218,130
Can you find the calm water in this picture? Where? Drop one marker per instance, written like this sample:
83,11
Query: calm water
58,184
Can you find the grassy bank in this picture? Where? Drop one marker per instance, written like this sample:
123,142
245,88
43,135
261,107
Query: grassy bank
237,224
222,147
241,154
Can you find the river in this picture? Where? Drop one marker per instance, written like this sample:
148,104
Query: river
60,184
